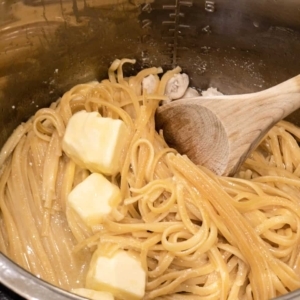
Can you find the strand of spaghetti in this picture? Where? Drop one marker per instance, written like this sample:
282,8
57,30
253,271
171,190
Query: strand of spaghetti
239,183
276,149
50,170
165,184
76,106
165,78
150,158
166,205
35,187
148,244
292,262
286,148
210,291
140,125
256,202
107,249
164,263
293,129
120,69
183,211
111,71
38,150
123,115
180,296
131,94
65,107
127,228
3,240
146,215
67,182
267,191
80,90
232,262
136,81
280,253
297,171
77,93
103,90
277,221
88,242
217,259
176,278
125,242
13,140
192,253
80,233
158,156
142,98
289,181
152,217
54,118
239,281
229,248
173,245
249,292
142,155
264,170
15,247
133,211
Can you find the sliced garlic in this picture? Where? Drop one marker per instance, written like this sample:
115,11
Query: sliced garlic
177,86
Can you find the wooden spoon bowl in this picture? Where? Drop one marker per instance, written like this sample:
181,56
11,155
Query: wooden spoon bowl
219,132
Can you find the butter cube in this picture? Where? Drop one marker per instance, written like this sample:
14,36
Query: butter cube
94,142
94,198
94,295
122,275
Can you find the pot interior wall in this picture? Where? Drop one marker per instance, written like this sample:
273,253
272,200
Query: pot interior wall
47,47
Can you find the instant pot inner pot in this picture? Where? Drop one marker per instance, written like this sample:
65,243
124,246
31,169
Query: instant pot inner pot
46,47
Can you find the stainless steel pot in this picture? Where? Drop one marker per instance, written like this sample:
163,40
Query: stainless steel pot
47,46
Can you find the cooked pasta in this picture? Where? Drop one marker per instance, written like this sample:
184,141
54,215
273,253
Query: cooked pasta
197,235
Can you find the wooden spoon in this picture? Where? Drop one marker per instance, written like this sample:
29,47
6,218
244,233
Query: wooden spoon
219,132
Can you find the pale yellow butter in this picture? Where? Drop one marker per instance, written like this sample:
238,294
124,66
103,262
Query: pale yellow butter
120,274
94,198
94,142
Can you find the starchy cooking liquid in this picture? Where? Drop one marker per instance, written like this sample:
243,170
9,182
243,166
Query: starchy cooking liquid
173,230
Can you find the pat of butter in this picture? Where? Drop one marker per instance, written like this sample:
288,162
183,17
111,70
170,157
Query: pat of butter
122,275
94,198
94,142
94,295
